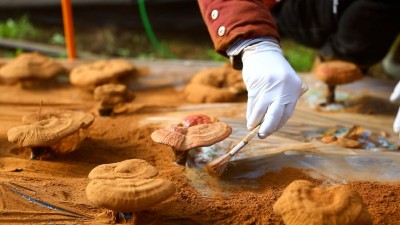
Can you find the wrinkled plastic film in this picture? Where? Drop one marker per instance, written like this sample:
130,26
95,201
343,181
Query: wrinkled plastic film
325,161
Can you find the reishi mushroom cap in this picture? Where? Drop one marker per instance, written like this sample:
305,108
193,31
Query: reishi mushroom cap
83,119
219,84
172,136
337,72
302,202
99,72
42,133
131,168
30,65
196,119
129,195
185,138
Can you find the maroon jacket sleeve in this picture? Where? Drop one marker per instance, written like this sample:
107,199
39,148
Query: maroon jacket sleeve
229,20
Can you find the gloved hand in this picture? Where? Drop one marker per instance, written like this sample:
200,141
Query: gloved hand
273,87
395,97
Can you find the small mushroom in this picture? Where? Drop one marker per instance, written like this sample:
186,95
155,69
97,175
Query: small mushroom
219,84
93,74
28,67
83,118
182,138
131,168
353,138
110,96
129,186
46,134
304,203
334,73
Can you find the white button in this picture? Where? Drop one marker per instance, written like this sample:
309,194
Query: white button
214,14
221,31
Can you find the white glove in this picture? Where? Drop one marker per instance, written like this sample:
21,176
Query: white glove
273,87
395,97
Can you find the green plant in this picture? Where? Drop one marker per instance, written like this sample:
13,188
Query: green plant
57,38
145,56
123,52
300,57
18,29
214,56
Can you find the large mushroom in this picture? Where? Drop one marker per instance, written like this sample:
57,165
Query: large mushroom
334,73
194,131
29,67
45,135
93,74
111,98
127,187
83,118
302,202
219,84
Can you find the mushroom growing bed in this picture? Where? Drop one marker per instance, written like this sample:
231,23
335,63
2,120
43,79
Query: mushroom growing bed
54,189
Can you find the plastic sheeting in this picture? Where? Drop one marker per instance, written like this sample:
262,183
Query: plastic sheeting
319,160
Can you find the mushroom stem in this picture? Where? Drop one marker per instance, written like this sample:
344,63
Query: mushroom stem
105,111
76,142
37,151
330,98
121,217
181,157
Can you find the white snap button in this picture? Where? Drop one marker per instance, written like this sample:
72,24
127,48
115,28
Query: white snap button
214,14
221,31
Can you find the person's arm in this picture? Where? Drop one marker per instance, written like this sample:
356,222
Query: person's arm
245,31
228,21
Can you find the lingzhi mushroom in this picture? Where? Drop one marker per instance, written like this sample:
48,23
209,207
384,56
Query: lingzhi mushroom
219,84
44,135
92,74
126,187
194,131
334,73
111,98
127,169
29,67
302,202
83,118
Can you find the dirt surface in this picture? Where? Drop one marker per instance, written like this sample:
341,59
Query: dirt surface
60,180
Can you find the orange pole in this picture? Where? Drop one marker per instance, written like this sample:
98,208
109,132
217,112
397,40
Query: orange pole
68,29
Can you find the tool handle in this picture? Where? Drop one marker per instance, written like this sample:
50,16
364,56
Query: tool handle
244,140
251,134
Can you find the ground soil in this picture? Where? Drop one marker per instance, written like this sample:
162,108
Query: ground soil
60,180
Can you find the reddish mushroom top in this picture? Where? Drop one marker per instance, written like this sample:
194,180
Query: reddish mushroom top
196,119
194,131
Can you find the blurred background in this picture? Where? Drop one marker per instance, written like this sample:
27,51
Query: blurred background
152,29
